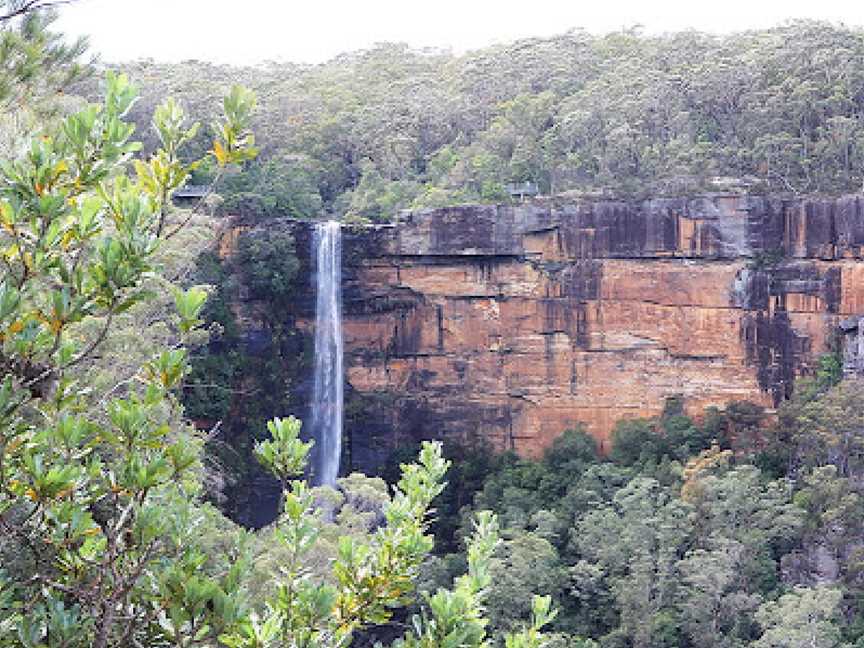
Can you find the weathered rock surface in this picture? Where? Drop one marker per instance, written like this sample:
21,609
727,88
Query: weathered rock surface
515,323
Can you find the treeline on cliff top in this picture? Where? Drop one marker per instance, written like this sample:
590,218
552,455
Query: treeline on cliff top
376,131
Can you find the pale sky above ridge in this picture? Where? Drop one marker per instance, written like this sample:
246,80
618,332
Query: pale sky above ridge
313,31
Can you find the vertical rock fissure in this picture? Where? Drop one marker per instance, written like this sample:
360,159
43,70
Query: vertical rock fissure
328,396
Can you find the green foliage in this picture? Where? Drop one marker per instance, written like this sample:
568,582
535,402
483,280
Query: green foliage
35,62
470,465
189,304
526,565
234,141
239,381
284,454
542,615
827,374
454,617
275,187
269,265
571,452
208,388
635,441
100,500
829,371
827,429
376,197
644,442
375,131
834,513
369,578
802,618
716,605
635,542
677,539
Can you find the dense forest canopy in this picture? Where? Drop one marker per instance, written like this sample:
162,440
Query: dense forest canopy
375,131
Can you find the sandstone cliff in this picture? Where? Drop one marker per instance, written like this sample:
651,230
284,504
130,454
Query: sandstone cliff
514,323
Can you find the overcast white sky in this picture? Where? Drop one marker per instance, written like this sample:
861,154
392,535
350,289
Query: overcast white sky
312,31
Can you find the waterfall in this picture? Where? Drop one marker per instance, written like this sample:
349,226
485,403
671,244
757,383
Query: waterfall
327,395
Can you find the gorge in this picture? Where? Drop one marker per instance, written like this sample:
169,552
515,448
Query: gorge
512,323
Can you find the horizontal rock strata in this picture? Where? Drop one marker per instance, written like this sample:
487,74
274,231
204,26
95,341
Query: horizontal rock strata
514,323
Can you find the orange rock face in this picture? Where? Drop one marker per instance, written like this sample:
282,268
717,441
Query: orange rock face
517,323
551,361
514,323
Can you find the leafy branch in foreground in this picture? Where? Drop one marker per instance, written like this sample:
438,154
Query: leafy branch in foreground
455,617
368,579
371,578
97,506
